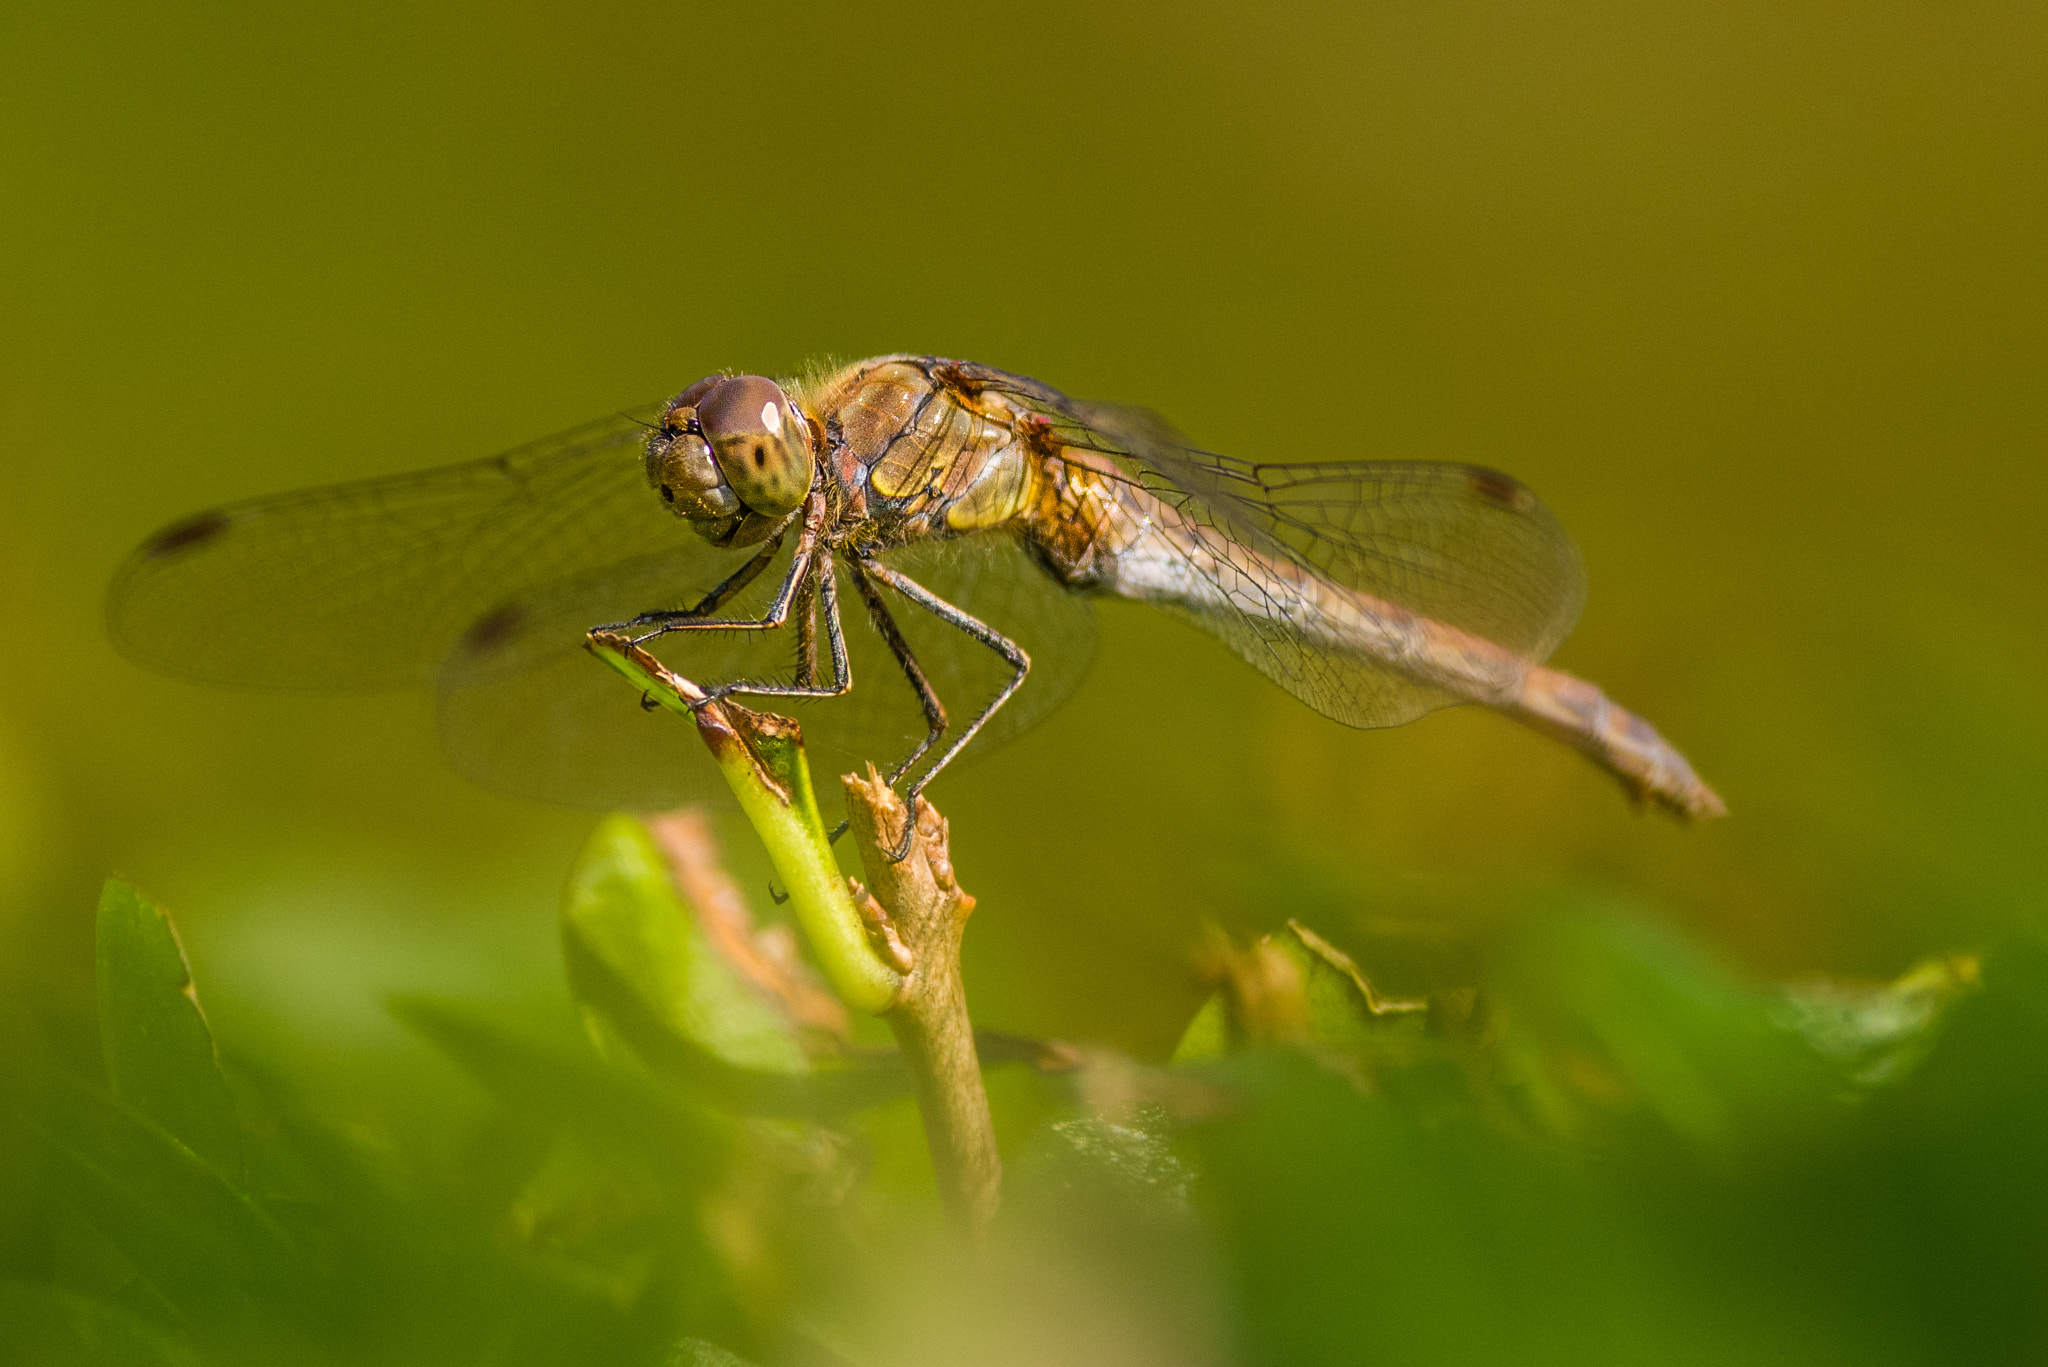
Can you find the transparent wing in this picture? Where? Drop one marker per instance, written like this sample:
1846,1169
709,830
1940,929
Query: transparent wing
481,578
484,577
524,709
1459,544
366,585
992,578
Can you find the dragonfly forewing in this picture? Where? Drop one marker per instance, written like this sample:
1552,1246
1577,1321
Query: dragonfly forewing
366,585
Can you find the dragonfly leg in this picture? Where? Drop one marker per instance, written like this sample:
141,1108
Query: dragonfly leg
927,697
806,611
696,618
665,621
810,573
821,585
980,631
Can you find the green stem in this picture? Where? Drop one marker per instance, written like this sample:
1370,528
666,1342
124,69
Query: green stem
762,758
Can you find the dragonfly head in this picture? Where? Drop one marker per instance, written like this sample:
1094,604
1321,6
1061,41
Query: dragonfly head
733,455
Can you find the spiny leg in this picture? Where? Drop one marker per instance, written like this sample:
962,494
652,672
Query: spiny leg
803,577
694,618
807,631
823,588
892,636
927,697
980,631
711,602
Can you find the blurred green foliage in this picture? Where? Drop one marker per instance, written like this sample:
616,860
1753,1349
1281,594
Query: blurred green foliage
624,919
1752,294
1607,1149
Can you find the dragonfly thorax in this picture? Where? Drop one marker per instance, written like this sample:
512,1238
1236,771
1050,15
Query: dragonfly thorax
732,456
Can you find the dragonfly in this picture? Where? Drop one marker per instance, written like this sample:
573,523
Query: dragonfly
974,515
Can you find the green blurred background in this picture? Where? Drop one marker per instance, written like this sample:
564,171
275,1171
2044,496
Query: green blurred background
1752,294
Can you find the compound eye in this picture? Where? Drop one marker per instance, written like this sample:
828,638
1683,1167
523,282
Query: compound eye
762,443
683,406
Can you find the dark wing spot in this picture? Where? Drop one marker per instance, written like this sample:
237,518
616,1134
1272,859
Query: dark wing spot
493,630
1503,490
193,531
760,457
668,495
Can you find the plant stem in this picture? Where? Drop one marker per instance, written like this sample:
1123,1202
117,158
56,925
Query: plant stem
762,757
892,951
924,902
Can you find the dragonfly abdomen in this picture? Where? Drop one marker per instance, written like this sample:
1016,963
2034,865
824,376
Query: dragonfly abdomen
1266,607
1212,578
1576,712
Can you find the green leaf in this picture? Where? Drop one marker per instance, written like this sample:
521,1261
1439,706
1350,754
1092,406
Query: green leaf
640,1136
205,1246
607,1106
1877,1034
1359,1230
1343,1007
623,911
767,772
1294,986
52,1327
832,1089
159,1052
1607,1014
1208,1034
